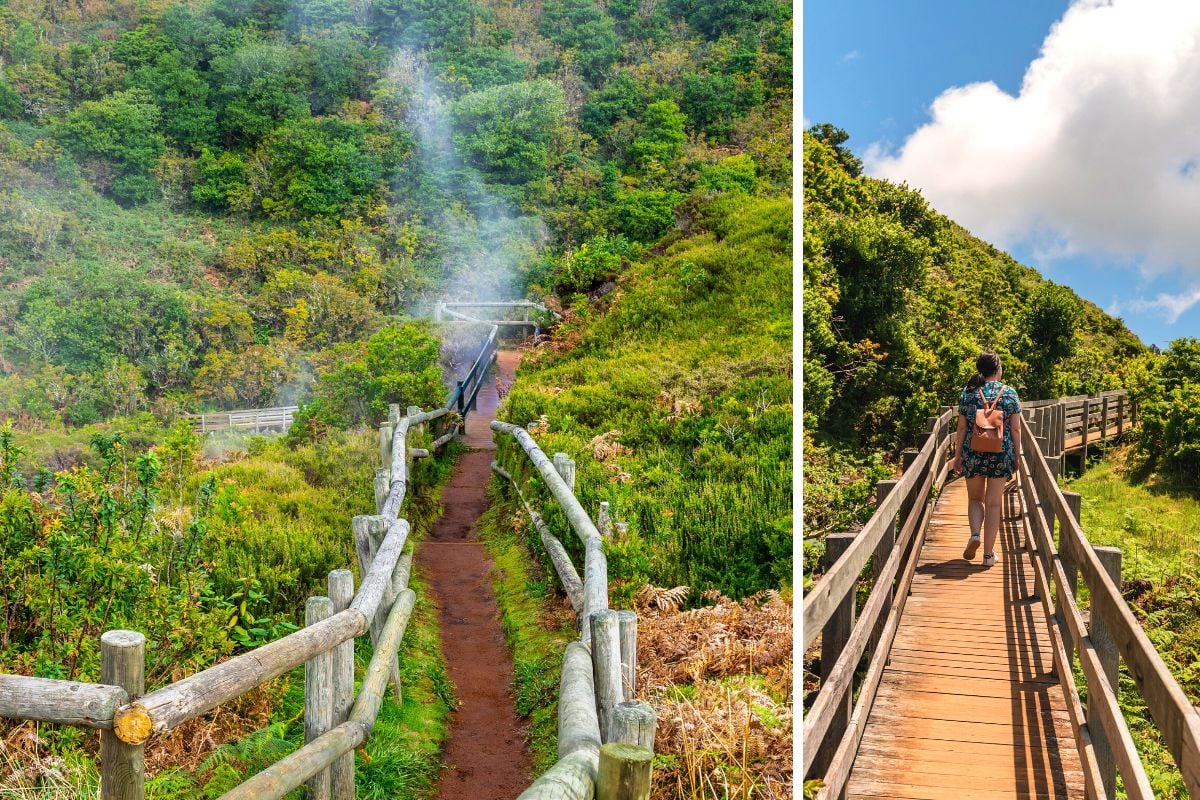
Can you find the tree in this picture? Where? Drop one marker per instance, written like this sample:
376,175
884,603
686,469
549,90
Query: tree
583,27
644,215
117,140
710,102
506,131
220,180
622,97
314,310
1047,330
319,166
183,97
835,138
659,144
259,85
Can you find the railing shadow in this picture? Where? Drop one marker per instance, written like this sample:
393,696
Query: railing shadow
1037,757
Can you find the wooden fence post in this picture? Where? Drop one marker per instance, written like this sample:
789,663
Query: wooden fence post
633,723
122,766
341,593
381,489
1084,420
883,551
318,694
1120,414
564,465
907,457
627,625
1106,649
606,666
1070,563
393,414
1104,418
624,772
385,444
603,520
834,636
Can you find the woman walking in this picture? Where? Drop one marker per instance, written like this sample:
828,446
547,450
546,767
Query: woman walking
986,450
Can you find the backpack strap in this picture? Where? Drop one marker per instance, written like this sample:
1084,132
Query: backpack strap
988,407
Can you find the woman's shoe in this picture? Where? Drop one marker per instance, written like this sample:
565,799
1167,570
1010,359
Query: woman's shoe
989,559
972,546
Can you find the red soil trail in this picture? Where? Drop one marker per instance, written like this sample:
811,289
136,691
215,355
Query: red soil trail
485,756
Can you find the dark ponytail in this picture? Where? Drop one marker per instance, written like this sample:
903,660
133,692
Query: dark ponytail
987,364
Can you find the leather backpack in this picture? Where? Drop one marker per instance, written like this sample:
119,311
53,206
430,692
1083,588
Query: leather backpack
988,434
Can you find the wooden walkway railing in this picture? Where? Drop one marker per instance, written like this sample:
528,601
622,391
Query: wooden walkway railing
254,420
605,735
991,652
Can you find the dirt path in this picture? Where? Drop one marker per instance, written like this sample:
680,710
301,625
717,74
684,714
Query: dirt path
485,753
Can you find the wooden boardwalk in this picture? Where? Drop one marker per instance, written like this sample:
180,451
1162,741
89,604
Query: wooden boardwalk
968,706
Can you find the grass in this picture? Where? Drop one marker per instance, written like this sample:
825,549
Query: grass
536,629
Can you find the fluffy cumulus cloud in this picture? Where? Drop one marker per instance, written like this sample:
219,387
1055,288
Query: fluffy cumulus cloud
1098,152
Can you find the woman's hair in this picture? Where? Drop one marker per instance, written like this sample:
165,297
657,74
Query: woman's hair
986,365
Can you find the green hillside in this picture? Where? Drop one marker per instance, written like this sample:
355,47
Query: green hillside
899,301
673,395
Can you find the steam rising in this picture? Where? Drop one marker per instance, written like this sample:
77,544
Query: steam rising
483,239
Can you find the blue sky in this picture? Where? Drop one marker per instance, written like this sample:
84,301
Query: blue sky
1085,169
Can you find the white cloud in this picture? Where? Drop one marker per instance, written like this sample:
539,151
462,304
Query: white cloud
1171,306
1098,152
850,56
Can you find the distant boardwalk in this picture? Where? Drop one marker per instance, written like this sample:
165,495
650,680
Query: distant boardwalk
251,420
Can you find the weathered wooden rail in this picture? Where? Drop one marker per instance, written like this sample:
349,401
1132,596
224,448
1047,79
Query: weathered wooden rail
455,311
1048,553
605,735
254,420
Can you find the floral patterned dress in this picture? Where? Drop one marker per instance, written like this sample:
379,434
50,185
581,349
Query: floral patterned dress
990,465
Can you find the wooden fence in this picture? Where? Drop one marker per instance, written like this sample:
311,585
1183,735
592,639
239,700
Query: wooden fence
253,420
1060,554
605,735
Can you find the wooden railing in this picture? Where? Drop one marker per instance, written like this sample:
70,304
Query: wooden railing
1061,554
255,420
455,311
605,735
890,540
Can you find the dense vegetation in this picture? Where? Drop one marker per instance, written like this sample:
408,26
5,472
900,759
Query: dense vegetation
673,395
899,301
202,202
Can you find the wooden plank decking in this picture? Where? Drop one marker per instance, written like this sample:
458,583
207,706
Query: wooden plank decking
968,707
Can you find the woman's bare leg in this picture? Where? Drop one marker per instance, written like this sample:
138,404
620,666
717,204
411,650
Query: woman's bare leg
994,504
975,503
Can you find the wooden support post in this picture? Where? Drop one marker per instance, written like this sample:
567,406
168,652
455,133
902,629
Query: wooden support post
1106,649
834,636
633,723
385,444
606,666
318,694
564,465
341,593
393,414
1104,419
907,457
603,520
412,412
1062,429
1070,564
624,772
883,551
1120,414
627,623
122,766
381,489
1084,421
